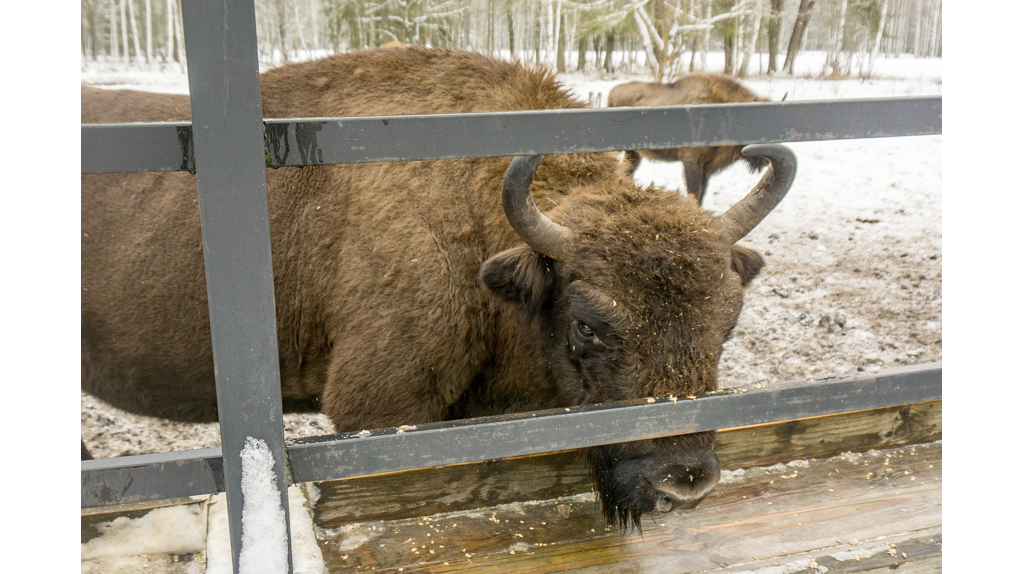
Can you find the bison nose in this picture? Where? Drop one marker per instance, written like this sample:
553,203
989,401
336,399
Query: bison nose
669,498
683,488
664,503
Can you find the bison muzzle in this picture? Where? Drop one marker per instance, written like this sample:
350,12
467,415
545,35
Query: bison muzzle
426,291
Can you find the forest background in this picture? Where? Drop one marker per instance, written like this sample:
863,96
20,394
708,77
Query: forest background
662,38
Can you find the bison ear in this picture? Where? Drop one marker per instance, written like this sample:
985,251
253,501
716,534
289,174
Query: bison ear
520,275
746,262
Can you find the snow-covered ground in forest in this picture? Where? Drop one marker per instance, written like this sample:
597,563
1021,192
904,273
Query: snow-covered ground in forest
853,278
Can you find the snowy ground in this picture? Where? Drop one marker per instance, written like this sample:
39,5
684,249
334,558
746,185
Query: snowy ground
853,279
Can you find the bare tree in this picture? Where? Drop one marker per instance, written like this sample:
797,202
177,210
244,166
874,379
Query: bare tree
135,29
796,38
756,16
774,27
149,31
836,29
933,45
878,40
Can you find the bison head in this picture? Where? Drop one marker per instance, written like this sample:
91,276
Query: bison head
633,295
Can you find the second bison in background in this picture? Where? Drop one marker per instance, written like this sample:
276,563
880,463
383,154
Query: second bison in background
699,163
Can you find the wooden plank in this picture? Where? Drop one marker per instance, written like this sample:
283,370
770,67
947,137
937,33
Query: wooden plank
93,517
464,487
140,558
833,509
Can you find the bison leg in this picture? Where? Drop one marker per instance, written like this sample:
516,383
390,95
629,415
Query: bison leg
696,181
86,455
632,160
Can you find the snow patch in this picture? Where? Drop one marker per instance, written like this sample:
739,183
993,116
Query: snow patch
218,537
169,530
264,539
353,541
306,555
789,568
858,554
732,475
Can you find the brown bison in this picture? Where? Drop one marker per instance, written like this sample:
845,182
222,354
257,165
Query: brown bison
699,163
431,290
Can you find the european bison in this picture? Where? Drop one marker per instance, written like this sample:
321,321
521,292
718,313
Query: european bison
699,163
431,290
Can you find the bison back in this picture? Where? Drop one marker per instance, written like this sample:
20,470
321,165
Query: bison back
379,311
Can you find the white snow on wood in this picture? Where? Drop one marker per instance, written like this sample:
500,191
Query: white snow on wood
306,555
218,537
170,530
264,539
802,565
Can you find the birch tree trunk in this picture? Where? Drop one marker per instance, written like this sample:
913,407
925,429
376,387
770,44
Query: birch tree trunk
645,37
609,54
149,31
169,54
832,64
560,45
706,41
298,28
878,40
917,28
933,45
282,29
511,31
758,7
774,28
581,61
557,40
179,38
691,15
114,52
124,32
94,39
135,30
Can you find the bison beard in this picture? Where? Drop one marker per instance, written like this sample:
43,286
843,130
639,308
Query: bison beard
418,292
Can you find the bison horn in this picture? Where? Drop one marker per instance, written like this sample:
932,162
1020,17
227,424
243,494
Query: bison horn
539,232
749,211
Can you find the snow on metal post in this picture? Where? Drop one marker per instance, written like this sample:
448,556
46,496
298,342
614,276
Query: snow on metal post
227,120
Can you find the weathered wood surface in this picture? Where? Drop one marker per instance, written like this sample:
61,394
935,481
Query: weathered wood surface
93,517
463,487
162,563
827,511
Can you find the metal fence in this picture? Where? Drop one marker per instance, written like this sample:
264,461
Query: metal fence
231,140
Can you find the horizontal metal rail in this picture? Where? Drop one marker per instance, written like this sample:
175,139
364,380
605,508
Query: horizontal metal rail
154,477
139,478
110,148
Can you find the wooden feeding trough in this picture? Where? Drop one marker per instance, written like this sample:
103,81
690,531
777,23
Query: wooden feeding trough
857,491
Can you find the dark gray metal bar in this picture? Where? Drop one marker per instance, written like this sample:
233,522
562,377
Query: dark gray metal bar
387,450
141,478
113,148
502,437
157,147
223,74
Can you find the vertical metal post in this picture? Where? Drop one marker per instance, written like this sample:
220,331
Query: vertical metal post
227,120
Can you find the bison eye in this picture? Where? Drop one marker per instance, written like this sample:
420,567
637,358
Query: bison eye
585,331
